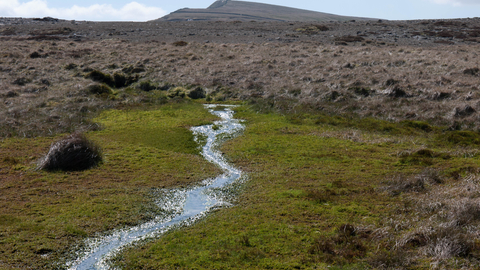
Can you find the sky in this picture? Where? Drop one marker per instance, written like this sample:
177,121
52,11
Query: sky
144,10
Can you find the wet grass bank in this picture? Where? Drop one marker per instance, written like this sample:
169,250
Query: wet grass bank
328,191
43,215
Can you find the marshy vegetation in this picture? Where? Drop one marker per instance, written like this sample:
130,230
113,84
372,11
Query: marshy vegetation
358,156
385,198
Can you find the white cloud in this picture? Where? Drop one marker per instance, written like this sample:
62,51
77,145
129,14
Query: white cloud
456,2
132,11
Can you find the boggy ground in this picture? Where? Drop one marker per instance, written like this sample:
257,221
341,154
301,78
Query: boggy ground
346,133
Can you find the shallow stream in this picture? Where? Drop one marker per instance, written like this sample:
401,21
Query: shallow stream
181,206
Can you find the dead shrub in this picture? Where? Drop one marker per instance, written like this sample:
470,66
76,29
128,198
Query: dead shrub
72,153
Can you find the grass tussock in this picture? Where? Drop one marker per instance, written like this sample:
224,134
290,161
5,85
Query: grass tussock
72,153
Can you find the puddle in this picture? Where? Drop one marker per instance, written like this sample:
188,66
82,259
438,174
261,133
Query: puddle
181,206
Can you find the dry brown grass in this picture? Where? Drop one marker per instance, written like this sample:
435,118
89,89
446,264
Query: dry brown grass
46,95
441,222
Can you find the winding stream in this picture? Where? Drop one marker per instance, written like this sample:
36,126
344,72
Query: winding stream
181,206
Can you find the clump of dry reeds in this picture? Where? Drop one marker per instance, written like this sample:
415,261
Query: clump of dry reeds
72,153
440,223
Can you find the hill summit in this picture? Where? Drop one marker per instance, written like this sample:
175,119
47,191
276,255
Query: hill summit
230,10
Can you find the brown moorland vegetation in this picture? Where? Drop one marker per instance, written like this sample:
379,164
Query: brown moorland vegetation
56,76
59,82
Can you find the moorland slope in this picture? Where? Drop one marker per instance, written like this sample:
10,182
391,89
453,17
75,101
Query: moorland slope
228,10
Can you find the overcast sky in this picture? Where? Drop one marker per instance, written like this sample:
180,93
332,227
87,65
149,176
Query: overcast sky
143,10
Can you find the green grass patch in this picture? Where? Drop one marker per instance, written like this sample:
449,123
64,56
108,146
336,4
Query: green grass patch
45,215
305,190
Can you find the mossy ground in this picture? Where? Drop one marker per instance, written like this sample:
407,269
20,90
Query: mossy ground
315,195
43,215
309,181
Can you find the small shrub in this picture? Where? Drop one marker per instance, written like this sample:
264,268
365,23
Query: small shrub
72,153
101,77
147,86
120,80
177,92
196,93
99,89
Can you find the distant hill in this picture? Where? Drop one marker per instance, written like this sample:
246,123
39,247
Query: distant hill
229,10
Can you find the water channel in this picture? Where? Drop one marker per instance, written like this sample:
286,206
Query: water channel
181,206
